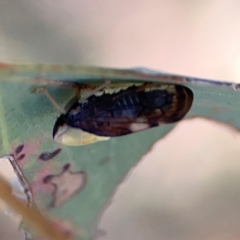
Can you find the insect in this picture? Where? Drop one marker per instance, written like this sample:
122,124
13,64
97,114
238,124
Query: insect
104,114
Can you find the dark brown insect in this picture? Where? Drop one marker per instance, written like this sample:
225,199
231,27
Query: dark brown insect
103,115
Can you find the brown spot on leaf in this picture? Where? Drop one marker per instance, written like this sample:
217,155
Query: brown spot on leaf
66,167
66,184
21,157
19,149
49,155
47,179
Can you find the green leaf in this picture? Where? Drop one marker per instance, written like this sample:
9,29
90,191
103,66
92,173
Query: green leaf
86,176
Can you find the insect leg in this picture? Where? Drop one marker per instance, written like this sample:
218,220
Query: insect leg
49,97
77,90
101,87
77,95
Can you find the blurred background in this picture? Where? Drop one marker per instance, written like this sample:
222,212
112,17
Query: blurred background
188,186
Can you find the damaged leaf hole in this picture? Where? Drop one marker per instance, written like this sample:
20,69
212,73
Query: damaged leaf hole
45,156
66,184
20,190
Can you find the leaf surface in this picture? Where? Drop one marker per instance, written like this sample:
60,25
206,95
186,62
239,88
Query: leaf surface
73,185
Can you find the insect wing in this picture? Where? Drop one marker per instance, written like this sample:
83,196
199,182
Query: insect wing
133,109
